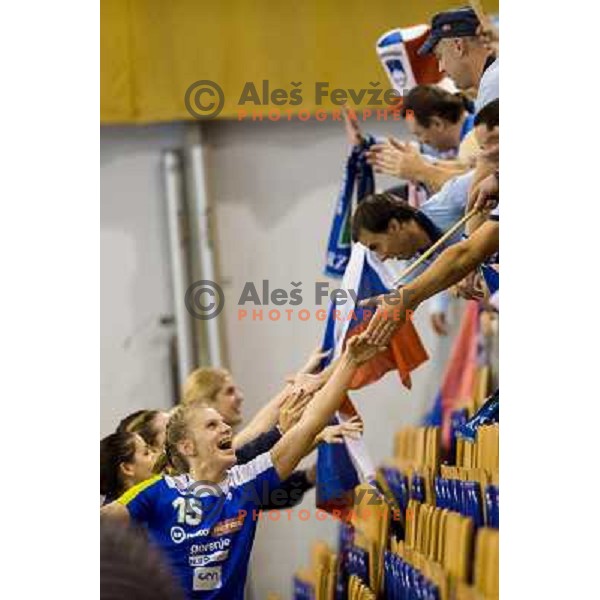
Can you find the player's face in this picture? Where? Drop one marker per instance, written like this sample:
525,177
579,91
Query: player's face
143,460
396,242
160,425
229,402
212,438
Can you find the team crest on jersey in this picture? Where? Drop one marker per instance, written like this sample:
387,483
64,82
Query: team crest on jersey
207,578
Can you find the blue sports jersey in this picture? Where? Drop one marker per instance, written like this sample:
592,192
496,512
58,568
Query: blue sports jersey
205,531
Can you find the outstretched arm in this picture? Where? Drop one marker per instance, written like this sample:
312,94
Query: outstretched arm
264,420
449,268
268,416
292,447
454,263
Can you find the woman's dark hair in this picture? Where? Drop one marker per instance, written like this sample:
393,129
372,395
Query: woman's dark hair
116,448
489,115
426,101
375,212
142,422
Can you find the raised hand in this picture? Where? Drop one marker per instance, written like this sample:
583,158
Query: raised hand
472,287
314,360
360,349
485,194
396,159
390,315
334,434
292,408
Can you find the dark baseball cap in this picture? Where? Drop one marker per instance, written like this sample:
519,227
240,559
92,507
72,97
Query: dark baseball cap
462,22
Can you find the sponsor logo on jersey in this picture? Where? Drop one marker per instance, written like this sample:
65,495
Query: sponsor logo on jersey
228,526
199,533
207,578
213,546
179,535
205,559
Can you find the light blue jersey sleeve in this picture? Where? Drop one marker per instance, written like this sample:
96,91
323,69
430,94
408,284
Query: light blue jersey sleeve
444,209
489,86
448,206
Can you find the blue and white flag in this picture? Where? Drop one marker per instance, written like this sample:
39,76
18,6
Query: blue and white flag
357,175
340,467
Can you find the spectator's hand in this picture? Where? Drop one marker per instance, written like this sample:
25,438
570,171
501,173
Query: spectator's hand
485,194
390,315
472,287
359,349
439,323
292,408
396,159
372,301
308,382
334,434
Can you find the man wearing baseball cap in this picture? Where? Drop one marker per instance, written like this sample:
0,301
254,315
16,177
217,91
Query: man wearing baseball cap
462,54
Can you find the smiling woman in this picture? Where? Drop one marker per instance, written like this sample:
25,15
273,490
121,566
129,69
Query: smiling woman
199,447
217,387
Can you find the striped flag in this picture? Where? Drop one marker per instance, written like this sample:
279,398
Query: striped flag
459,378
340,467
397,51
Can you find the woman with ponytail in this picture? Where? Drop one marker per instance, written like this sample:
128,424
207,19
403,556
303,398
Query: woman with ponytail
150,424
125,460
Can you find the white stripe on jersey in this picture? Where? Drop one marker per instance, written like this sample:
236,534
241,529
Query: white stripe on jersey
236,477
242,474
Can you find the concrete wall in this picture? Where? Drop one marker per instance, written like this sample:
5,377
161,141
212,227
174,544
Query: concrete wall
135,272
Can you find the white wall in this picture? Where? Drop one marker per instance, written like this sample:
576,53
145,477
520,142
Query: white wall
135,278
273,187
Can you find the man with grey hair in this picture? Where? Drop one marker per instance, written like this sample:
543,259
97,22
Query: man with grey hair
463,54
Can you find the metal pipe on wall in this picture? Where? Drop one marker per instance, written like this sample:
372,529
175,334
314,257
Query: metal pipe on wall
204,237
172,164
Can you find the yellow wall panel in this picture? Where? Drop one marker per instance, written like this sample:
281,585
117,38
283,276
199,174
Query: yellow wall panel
116,93
153,50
